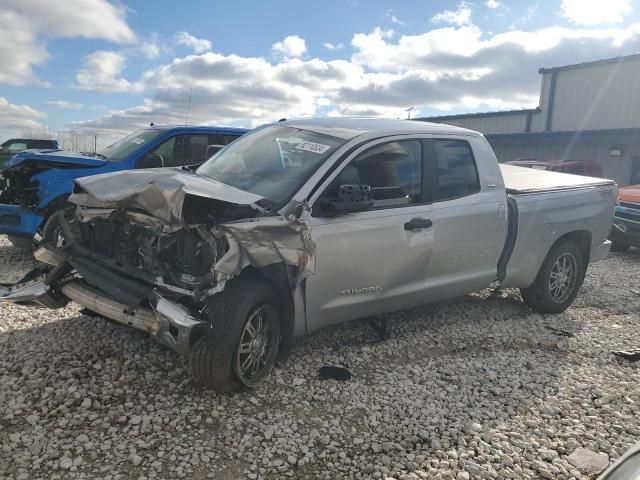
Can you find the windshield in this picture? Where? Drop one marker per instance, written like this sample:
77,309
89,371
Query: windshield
272,162
121,149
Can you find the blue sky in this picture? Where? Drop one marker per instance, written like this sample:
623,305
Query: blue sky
98,65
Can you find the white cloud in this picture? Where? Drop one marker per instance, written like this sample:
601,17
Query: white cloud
20,50
198,45
460,16
151,48
492,3
443,68
394,18
102,71
18,118
292,46
595,12
25,24
64,104
333,46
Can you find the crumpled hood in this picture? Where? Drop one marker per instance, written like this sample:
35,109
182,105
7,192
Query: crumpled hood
55,157
157,191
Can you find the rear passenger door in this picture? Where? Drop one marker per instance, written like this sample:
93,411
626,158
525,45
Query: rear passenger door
469,222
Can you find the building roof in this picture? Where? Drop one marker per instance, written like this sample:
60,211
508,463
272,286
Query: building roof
348,127
478,114
565,133
604,61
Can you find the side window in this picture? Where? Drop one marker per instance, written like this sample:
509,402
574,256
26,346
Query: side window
456,173
225,139
195,149
393,171
164,152
17,147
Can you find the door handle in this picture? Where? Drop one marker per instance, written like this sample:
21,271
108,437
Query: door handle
418,223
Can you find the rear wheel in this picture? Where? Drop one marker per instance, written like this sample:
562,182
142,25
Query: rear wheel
241,347
558,280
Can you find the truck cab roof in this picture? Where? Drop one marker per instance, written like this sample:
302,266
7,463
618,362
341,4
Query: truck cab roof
350,127
197,128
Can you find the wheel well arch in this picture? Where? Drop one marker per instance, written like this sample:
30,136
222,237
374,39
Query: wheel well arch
582,238
279,277
56,203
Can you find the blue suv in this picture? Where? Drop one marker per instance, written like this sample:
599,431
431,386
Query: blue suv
38,183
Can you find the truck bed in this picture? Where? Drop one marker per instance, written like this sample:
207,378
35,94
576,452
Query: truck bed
522,181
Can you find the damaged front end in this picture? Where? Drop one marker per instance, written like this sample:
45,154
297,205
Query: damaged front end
150,249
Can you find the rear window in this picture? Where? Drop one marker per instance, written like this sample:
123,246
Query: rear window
457,175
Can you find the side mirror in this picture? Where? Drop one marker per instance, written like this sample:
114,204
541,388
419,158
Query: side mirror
348,198
212,150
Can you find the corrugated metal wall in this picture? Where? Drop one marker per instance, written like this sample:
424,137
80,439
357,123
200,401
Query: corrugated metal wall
492,123
597,97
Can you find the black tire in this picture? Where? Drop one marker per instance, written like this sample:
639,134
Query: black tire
20,242
619,247
541,296
213,357
51,231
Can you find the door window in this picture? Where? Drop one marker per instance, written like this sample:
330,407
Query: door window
191,149
17,147
393,171
226,139
195,149
456,173
162,155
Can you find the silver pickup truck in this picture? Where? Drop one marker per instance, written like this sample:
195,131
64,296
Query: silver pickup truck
306,223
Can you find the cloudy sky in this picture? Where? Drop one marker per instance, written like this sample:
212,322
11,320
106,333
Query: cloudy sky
111,66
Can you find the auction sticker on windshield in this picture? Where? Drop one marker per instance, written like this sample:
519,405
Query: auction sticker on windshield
313,147
137,140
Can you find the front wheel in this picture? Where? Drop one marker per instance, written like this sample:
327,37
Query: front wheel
558,280
51,232
241,346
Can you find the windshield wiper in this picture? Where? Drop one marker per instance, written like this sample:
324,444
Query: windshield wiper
99,155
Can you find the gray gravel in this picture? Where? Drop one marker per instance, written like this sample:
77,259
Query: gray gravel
477,387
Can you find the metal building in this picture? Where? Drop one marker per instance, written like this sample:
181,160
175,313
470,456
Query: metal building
587,111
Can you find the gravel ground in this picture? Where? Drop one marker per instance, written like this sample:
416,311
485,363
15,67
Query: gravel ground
477,387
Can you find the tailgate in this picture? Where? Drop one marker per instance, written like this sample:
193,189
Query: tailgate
521,180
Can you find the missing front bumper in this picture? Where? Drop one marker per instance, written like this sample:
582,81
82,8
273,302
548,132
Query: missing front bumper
167,321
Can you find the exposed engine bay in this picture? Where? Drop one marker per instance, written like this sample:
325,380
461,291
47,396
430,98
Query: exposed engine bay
20,189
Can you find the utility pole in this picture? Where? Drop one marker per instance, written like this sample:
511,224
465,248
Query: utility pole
408,110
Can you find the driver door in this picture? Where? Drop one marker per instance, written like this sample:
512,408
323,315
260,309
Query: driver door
374,261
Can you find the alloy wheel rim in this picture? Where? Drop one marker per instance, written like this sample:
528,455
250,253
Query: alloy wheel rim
257,347
562,278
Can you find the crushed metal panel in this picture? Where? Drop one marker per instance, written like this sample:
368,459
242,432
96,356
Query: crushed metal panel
160,192
265,241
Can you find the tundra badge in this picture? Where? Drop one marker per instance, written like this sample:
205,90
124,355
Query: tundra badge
356,291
